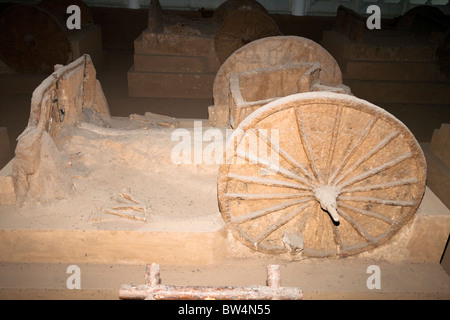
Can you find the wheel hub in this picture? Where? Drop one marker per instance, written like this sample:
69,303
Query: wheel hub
326,196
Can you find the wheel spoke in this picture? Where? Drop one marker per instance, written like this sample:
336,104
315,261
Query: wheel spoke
349,153
387,202
368,213
268,182
303,220
277,148
265,196
376,170
333,141
260,213
275,168
356,225
368,155
381,185
305,143
288,217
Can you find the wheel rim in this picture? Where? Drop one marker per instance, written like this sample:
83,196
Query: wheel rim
240,28
222,11
335,151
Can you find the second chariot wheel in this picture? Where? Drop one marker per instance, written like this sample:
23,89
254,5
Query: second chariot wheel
321,174
241,27
232,5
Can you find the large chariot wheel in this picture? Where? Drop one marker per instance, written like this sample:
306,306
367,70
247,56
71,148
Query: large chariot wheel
321,174
33,41
241,27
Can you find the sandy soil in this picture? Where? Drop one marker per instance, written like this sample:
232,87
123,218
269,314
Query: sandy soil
129,162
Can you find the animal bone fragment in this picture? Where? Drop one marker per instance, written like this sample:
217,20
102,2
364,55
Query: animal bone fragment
126,214
128,197
133,212
134,208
